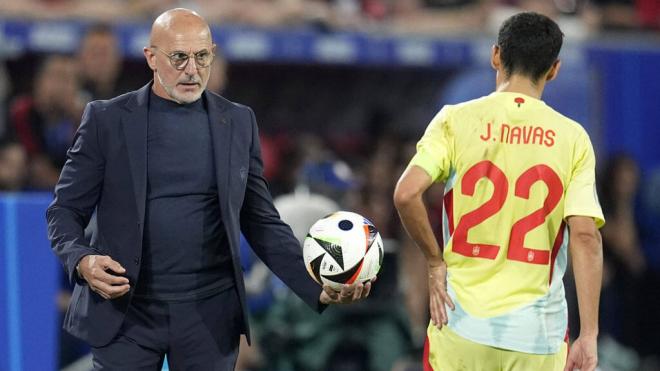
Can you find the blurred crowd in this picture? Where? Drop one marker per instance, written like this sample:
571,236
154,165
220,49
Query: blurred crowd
404,16
351,142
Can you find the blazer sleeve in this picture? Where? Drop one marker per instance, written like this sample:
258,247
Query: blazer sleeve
270,238
76,195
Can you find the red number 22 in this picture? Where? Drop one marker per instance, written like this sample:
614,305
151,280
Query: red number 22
517,250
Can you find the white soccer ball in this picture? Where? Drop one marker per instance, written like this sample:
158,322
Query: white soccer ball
343,248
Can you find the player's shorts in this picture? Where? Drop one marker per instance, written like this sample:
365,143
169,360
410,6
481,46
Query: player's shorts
446,351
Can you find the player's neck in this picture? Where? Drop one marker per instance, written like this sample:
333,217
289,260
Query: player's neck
522,85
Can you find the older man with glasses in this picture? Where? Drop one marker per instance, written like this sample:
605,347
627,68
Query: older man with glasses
174,173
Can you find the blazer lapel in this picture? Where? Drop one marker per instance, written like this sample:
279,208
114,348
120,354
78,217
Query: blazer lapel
221,131
135,131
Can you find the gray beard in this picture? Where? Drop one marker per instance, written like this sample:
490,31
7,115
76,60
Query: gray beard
170,91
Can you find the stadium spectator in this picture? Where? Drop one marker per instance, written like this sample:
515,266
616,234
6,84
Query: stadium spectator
623,15
44,124
649,13
438,16
377,184
261,13
649,234
577,20
5,86
13,160
13,165
624,260
100,64
631,279
105,10
218,80
45,121
616,14
402,16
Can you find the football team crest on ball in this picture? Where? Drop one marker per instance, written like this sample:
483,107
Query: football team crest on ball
343,248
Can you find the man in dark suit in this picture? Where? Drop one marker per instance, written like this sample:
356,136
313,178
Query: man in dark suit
174,173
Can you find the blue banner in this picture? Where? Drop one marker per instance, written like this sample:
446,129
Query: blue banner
30,281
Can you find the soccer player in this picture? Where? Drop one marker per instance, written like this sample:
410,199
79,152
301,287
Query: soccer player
519,192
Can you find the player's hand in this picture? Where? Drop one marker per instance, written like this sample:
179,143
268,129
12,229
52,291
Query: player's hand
103,275
583,355
348,294
439,300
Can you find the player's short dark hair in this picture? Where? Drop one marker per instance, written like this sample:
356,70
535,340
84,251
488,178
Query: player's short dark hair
529,44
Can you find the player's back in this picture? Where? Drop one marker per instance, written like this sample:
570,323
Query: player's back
509,162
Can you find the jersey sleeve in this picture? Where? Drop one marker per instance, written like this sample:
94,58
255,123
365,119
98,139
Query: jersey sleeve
581,196
434,149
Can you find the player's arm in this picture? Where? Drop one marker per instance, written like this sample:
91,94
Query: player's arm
408,200
414,217
587,259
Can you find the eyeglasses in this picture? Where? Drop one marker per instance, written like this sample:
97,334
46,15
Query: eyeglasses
179,60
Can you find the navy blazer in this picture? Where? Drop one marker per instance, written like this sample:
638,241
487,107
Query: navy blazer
106,172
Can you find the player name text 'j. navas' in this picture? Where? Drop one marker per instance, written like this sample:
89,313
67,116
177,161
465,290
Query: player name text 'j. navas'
519,134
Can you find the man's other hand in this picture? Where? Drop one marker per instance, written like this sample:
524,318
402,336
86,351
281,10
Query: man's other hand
439,299
583,354
348,293
103,275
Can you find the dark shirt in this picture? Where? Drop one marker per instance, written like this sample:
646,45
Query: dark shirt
185,251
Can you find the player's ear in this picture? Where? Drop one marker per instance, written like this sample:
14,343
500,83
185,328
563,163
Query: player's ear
495,61
150,56
554,70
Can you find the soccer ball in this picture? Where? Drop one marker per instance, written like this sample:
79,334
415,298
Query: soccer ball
343,248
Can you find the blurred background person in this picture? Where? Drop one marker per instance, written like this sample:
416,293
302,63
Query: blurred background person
5,87
439,16
648,219
624,259
45,121
13,159
100,64
629,335
626,15
108,10
13,166
219,74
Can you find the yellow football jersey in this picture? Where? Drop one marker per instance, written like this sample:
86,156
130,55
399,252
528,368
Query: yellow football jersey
514,169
